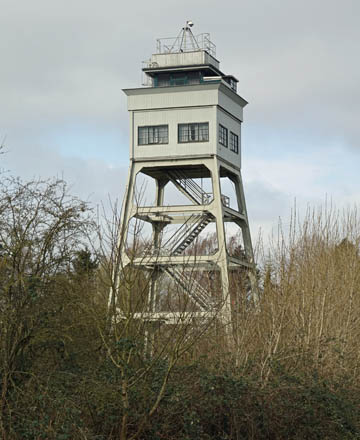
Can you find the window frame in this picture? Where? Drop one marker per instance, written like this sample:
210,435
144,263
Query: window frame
234,146
182,140
224,143
233,84
153,136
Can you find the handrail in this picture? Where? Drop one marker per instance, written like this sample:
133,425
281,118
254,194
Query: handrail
184,225
198,293
196,229
191,187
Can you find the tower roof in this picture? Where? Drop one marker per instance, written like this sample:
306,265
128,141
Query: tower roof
186,58
186,41
183,52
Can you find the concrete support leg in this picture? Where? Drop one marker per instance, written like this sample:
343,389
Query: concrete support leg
248,248
153,297
221,237
119,257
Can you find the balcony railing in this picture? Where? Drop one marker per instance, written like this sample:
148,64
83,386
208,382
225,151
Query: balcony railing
176,44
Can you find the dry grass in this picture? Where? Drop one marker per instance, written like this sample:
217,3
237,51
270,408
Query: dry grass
309,313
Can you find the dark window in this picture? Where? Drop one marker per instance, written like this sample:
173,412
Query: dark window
178,79
223,135
198,132
194,78
234,142
162,81
233,84
158,134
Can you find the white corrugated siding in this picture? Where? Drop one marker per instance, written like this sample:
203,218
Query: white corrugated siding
183,59
177,105
172,118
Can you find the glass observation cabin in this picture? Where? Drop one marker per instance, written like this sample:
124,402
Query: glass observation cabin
185,60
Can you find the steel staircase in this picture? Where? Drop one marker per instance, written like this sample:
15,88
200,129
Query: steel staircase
187,233
189,188
196,292
183,237
190,235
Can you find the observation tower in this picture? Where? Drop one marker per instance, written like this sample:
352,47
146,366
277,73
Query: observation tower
185,136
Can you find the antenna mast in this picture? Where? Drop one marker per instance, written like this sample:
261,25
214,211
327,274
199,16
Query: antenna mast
185,41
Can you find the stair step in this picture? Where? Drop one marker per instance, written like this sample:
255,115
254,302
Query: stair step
199,294
193,232
189,186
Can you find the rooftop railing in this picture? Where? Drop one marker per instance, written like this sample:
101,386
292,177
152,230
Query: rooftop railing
189,44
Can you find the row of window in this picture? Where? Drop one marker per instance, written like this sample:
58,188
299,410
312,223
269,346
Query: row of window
188,78
177,79
192,132
223,139
159,134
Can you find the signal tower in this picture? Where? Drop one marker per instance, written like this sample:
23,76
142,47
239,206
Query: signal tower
185,125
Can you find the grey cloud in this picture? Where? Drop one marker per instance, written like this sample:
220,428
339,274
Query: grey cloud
92,180
263,201
297,61
66,62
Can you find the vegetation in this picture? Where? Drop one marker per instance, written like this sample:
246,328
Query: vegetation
72,370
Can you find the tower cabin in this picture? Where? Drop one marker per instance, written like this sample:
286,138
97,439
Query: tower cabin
188,109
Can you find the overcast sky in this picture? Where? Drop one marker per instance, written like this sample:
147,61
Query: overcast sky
63,65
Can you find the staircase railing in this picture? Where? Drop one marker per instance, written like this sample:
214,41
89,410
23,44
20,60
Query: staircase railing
186,235
181,232
191,234
196,292
190,188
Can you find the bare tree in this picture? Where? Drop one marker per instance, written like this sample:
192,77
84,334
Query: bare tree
137,340
41,229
